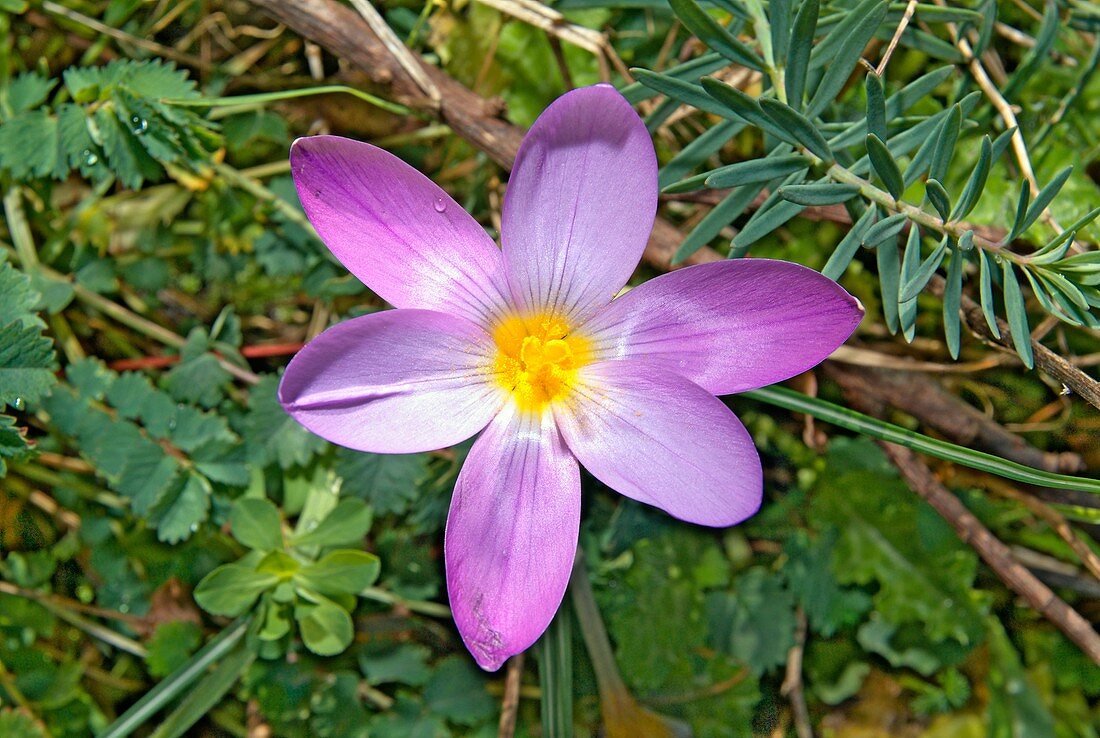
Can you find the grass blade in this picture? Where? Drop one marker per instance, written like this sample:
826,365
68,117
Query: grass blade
555,654
880,430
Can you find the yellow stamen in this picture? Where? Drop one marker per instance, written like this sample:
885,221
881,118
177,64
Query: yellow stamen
537,359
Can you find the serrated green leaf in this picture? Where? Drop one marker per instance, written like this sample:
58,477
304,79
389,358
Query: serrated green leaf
26,91
13,444
884,165
27,364
28,144
696,20
798,53
798,127
272,435
756,171
179,514
343,572
389,482
19,298
256,523
1016,312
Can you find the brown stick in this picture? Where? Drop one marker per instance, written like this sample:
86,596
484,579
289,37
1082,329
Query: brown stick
510,706
1085,386
925,399
995,553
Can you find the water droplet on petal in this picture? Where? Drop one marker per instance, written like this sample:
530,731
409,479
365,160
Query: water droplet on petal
90,159
18,403
440,204
138,125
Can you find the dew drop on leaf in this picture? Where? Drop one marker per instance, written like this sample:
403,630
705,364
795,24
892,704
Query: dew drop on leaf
18,403
90,159
138,125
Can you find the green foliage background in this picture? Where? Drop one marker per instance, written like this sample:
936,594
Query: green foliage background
160,512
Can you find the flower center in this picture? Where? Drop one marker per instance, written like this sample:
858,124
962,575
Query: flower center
537,359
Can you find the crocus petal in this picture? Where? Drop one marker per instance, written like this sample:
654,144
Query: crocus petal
655,437
396,230
397,381
729,326
511,535
580,203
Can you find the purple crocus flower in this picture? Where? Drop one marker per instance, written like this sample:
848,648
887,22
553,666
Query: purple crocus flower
525,344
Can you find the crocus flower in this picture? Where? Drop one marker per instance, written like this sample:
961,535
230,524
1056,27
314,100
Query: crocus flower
526,344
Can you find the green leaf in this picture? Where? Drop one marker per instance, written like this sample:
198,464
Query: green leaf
876,106
1042,200
756,171
326,627
180,513
798,53
231,589
205,696
1015,706
457,692
828,606
939,198
28,144
985,280
256,523
944,148
798,127
846,250
819,193
764,222
761,620
859,28
919,571
733,100
406,663
27,364
886,256
171,646
885,167
28,90
686,92
975,185
271,434
1016,312
13,444
911,287
725,212
343,572
19,300
696,20
555,659
910,263
699,150
22,723
345,525
1019,223
952,297
388,482
884,229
